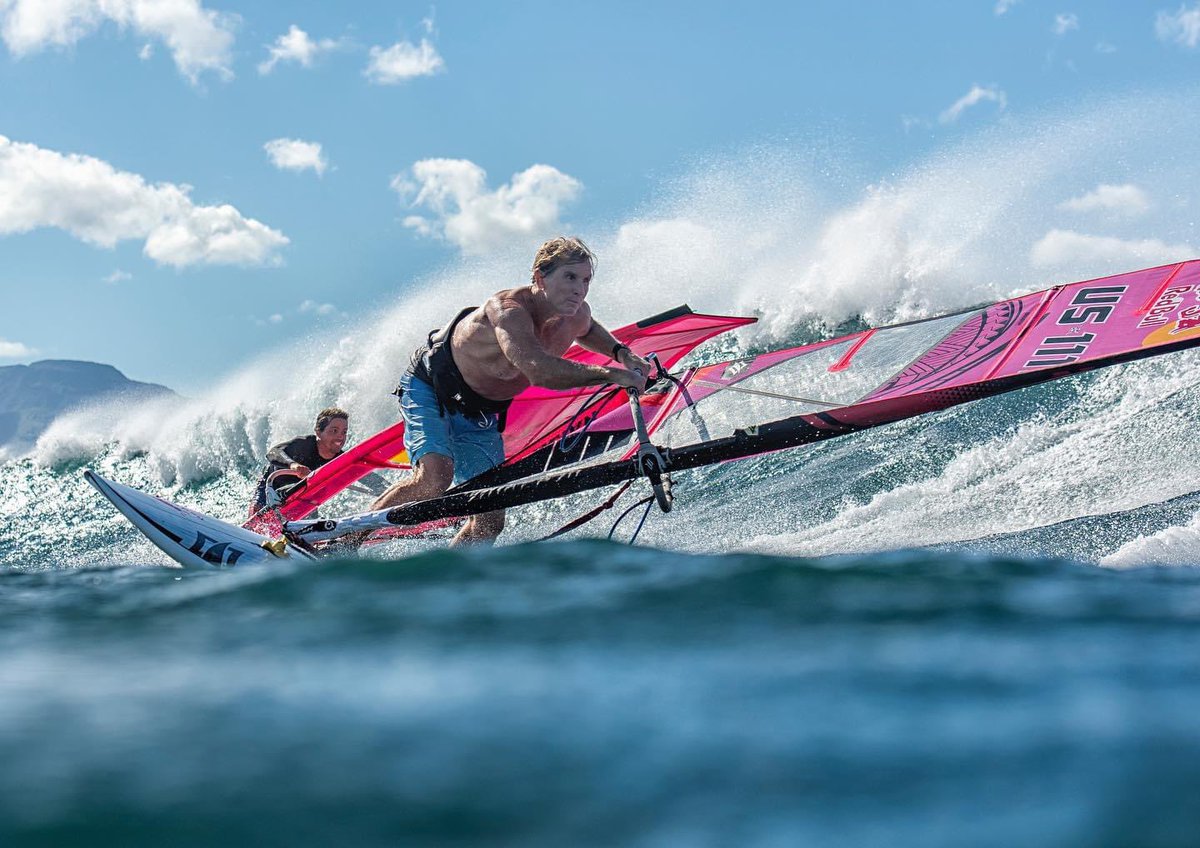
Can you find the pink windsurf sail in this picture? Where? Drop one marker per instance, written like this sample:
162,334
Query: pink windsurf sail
787,398
536,418
886,374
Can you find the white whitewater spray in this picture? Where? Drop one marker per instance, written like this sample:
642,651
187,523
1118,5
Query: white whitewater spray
1172,546
772,232
1103,453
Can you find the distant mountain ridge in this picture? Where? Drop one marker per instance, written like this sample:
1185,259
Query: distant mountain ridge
31,396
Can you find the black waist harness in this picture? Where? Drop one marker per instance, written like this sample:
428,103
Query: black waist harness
434,363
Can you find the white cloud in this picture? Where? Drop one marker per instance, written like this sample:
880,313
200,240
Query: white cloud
118,276
1125,199
423,226
1105,47
1003,6
1182,27
199,39
478,220
147,52
214,235
1064,247
292,154
295,46
100,205
318,308
403,61
275,319
1064,22
976,95
14,350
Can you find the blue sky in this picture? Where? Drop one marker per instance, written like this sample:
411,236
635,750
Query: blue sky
185,184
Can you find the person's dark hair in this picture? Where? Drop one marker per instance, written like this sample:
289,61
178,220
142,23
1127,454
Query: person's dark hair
328,414
563,250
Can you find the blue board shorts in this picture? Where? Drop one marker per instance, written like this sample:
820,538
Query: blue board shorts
475,444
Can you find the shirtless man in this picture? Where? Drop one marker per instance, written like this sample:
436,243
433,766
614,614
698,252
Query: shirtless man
457,389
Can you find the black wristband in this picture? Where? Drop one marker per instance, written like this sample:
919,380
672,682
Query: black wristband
617,348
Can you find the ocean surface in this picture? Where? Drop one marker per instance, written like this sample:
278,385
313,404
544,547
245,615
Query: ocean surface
980,627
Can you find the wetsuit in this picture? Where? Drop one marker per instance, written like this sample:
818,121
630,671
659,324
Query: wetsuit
302,450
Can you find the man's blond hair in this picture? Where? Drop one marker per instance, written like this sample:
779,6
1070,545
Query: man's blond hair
562,250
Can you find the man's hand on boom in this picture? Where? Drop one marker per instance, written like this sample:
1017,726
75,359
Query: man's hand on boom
633,362
629,379
634,373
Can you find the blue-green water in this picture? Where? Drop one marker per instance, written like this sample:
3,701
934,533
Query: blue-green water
589,693
980,627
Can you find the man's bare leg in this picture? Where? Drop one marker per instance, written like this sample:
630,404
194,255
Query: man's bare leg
432,476
480,529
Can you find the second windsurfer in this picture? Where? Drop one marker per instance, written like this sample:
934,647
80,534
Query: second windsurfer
302,455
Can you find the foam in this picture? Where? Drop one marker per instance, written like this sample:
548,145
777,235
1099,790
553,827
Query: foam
1172,546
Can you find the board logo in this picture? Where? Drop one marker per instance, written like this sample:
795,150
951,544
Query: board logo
218,553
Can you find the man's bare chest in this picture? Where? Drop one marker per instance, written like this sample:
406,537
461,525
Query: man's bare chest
556,336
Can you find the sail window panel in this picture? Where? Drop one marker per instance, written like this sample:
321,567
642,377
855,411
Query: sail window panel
803,384
722,413
785,389
885,353
888,352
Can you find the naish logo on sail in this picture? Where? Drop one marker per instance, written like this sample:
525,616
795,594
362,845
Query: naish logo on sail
1091,305
734,368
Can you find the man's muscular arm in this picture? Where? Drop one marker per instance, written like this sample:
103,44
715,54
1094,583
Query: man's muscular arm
519,343
599,340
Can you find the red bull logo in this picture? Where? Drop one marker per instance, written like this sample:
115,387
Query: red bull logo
1166,303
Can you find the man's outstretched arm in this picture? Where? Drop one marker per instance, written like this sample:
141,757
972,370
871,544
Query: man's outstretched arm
519,343
599,340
